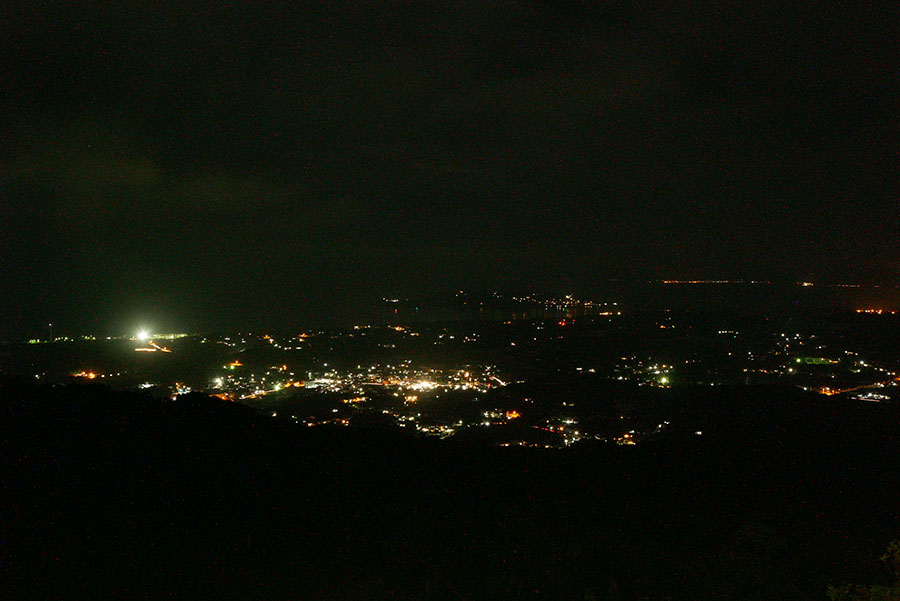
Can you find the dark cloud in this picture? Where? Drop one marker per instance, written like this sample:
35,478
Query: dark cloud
285,154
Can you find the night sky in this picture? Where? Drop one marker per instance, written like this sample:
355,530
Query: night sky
196,165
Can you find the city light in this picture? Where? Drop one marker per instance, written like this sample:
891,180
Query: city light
424,396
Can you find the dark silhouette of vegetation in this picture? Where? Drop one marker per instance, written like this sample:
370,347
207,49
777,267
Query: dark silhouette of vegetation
110,494
874,592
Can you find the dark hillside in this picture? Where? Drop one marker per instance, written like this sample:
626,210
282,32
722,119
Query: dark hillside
117,494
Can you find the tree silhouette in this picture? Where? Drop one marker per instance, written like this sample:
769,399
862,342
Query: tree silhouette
873,592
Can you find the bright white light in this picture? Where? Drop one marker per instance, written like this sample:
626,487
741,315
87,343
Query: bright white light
143,335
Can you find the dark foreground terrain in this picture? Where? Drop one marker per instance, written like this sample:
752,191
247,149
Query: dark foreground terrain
111,494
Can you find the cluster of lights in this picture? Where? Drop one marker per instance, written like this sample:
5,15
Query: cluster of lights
703,281
415,383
